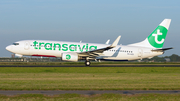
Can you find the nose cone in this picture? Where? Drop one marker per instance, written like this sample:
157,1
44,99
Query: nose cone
9,48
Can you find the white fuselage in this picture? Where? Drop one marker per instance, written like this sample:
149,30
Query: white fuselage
56,48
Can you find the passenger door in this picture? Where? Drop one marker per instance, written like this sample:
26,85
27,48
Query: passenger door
26,45
140,52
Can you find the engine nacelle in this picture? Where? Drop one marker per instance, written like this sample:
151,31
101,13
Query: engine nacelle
69,56
18,55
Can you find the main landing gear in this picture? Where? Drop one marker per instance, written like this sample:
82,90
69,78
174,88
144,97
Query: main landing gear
87,63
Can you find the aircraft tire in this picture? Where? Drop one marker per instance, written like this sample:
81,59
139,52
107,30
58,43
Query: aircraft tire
87,63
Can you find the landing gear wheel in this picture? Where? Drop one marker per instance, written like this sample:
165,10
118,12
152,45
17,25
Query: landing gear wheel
87,63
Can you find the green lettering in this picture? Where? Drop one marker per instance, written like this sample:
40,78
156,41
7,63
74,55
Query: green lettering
86,47
48,48
81,49
94,47
74,46
57,44
65,48
40,45
35,42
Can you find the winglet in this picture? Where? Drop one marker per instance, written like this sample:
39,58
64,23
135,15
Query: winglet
114,44
107,41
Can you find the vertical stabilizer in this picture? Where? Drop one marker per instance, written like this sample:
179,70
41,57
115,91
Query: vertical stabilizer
157,37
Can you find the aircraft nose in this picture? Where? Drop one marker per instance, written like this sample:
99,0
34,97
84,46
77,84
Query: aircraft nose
9,48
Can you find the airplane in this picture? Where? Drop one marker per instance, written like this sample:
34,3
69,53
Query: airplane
74,51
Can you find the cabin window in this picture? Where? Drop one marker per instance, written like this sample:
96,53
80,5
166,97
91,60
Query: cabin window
15,44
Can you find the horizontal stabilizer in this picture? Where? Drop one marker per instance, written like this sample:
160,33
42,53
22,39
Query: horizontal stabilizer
162,50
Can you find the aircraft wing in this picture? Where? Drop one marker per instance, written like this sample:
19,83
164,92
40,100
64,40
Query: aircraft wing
97,52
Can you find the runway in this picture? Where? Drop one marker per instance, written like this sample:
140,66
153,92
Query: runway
103,65
89,92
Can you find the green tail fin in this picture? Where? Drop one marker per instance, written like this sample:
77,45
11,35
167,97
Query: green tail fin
157,37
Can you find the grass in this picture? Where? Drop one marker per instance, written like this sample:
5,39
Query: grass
90,78
102,97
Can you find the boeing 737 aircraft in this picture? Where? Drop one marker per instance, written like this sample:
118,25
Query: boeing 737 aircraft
74,51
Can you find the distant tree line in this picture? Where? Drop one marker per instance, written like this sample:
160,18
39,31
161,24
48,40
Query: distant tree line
172,58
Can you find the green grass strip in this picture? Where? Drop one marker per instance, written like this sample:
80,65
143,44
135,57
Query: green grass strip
98,97
89,78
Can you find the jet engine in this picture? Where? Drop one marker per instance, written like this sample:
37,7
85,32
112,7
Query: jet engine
69,56
18,55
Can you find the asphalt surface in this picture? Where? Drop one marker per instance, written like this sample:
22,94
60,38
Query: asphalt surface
90,92
104,65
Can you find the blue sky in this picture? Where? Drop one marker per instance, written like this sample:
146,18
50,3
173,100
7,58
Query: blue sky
87,20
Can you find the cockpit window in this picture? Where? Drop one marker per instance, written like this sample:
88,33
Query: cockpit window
15,44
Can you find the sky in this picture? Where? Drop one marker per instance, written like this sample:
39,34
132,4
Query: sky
93,21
